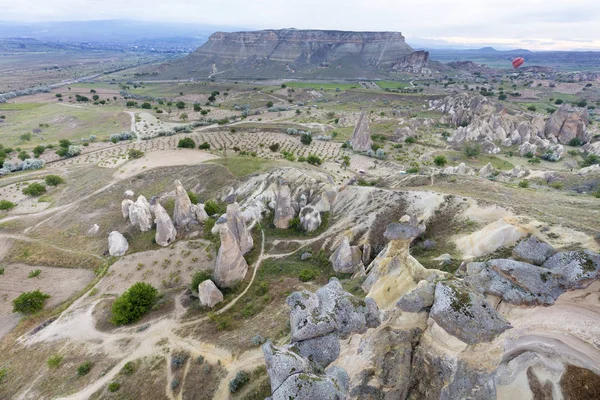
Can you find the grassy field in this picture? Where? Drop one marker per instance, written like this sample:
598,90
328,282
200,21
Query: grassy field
392,84
49,123
241,166
324,86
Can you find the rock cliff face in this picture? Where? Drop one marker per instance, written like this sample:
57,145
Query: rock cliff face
293,53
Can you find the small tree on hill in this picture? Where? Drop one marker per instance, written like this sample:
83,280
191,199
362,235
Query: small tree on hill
134,303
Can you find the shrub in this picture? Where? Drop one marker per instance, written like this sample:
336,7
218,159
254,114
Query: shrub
558,101
30,302
557,185
54,361
129,368
241,379
410,140
269,104
34,273
147,106
31,164
534,160
198,278
412,170
26,137
440,161
212,207
313,160
34,189
197,107
134,303
186,143
23,155
274,147
204,146
180,105
6,205
307,275
306,139
114,386
524,184
575,142
2,271
38,150
54,180
472,150
125,135
590,159
193,197
532,108
135,153
84,368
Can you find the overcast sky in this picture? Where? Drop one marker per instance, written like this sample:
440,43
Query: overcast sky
533,24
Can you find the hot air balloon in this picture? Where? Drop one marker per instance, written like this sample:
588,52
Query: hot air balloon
517,62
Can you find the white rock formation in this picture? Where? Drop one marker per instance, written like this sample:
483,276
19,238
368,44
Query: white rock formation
165,230
209,294
117,244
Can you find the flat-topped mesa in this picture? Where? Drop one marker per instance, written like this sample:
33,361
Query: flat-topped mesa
307,46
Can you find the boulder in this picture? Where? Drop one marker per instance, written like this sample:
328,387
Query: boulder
183,213
209,294
200,213
125,204
129,193
466,314
419,299
237,227
305,256
554,153
487,171
575,269
345,259
117,244
231,267
533,251
526,148
329,310
165,230
361,137
140,214
284,212
310,219
322,350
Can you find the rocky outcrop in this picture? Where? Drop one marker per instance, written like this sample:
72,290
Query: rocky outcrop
209,294
487,171
465,314
302,369
416,62
183,213
419,299
361,137
533,251
125,204
284,212
237,227
200,213
231,267
310,219
346,259
117,244
565,125
140,214
165,230
460,169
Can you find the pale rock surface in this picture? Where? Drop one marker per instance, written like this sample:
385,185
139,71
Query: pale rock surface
125,204
183,213
140,214
361,137
165,229
209,294
310,219
237,227
231,267
346,259
117,244
284,212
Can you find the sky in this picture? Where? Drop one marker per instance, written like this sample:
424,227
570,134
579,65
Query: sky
532,24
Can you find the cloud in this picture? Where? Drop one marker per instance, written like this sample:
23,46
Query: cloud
507,20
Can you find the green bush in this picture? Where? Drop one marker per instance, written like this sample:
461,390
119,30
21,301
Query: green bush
54,180
134,303
212,207
274,147
524,184
558,101
147,106
186,143
35,273
412,170
198,278
575,142
114,386
241,379
129,368
134,154
84,368
307,275
6,205
204,146
410,140
532,108
472,150
306,139
30,302
313,160
193,197
534,160
54,361
440,161
38,150
34,189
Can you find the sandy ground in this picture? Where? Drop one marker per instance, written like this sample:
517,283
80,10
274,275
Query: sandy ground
163,268
163,159
25,204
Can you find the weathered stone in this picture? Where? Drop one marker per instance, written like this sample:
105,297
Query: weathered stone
209,294
329,310
361,137
231,267
129,193
140,214
564,125
125,204
200,213
183,213
527,148
401,231
282,363
487,171
419,299
165,230
284,211
465,314
237,227
310,219
305,256
366,253
575,269
321,350
346,258
533,251
117,244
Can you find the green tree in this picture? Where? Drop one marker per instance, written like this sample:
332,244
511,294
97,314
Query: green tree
313,159
440,161
38,150
186,143
54,180
183,117
34,189
269,104
147,106
410,140
306,139
197,107
472,150
180,105
134,303
345,162
23,155
30,302
6,205
204,146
